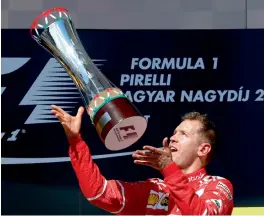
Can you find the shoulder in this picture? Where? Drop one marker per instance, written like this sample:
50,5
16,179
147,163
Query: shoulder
221,182
210,179
219,185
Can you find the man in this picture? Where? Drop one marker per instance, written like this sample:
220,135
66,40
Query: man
186,188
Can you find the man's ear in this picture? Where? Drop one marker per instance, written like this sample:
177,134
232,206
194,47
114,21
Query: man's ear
204,149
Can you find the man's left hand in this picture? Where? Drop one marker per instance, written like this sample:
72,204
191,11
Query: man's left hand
155,157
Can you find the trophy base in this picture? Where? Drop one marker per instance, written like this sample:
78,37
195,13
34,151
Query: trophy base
119,124
117,138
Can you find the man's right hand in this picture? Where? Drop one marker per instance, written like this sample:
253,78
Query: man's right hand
71,124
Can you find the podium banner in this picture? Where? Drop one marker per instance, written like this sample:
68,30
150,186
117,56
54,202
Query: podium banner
164,73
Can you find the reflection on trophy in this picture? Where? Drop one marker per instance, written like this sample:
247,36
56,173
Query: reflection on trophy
117,121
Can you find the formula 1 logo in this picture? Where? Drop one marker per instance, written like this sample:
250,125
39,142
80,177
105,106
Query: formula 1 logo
52,86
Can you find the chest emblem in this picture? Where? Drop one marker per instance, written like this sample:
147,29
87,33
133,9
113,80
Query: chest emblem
158,200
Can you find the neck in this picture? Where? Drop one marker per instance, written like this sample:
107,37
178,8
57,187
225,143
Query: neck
196,165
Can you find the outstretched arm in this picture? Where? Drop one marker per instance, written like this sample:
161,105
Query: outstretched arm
114,196
107,195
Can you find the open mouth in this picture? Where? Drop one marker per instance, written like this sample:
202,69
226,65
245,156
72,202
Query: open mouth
173,149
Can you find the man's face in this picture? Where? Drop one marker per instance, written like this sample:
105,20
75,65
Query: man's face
184,143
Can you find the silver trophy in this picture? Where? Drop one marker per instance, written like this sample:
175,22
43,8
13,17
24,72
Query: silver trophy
117,121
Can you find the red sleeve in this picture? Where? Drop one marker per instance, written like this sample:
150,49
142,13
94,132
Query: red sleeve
113,196
216,199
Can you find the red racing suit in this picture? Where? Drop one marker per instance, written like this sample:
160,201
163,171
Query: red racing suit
178,194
